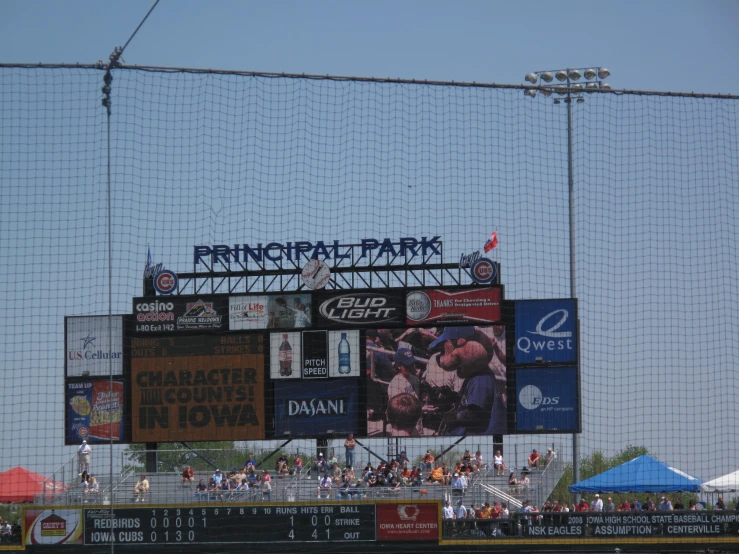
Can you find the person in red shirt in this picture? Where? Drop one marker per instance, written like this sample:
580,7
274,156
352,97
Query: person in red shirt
557,507
582,506
187,477
534,460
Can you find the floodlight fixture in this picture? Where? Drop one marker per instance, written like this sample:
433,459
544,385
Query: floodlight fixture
580,100
530,92
590,87
590,74
577,87
546,76
603,73
531,78
574,74
605,86
546,92
561,75
561,89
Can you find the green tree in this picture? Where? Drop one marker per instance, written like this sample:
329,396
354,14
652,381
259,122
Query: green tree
172,457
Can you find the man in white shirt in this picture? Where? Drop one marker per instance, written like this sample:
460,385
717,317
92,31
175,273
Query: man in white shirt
84,453
218,476
597,504
447,511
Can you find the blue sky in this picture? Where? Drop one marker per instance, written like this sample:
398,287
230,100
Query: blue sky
660,174
659,45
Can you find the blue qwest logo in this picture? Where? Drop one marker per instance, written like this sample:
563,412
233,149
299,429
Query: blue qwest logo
545,331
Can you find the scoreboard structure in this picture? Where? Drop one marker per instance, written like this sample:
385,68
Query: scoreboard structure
302,363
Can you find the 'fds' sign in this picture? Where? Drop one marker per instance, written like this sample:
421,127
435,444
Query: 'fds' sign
546,331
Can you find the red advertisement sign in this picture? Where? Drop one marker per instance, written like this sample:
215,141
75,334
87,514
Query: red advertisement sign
479,305
107,405
412,521
46,527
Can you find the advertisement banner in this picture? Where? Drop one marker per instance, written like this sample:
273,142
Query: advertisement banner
199,388
179,314
446,381
408,522
546,331
286,311
546,400
479,305
50,527
339,350
285,355
360,309
312,408
90,407
93,346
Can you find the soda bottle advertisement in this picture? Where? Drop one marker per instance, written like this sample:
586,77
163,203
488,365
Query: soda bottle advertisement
285,357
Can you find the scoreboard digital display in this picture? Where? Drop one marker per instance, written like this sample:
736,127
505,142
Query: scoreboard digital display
232,524
197,388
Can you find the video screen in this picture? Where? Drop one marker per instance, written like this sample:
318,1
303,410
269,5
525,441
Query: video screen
439,381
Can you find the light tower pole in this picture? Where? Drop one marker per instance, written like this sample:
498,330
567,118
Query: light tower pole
570,89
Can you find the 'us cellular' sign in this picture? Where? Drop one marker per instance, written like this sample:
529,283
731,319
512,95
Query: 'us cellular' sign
546,331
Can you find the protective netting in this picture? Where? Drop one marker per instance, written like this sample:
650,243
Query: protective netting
201,158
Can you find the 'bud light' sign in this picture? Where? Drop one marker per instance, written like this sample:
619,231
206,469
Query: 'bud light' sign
546,331
547,400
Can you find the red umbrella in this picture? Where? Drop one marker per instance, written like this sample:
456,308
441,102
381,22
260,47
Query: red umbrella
19,485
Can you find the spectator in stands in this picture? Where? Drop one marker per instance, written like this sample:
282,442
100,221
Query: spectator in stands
582,506
447,511
635,505
266,486
459,484
692,505
665,505
461,512
648,505
446,474
323,490
466,457
319,466
343,492
332,462
499,463
349,445
597,504
252,478
225,490
348,473
282,466
5,532
83,478
140,489
720,504
679,504
533,460
402,458
513,484
250,462
435,476
187,476
240,489
427,464
477,461
298,464
550,457
92,486
84,453
217,477
556,506
610,507
624,506
524,482
201,490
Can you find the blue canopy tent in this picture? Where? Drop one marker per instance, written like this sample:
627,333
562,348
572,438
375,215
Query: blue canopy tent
642,474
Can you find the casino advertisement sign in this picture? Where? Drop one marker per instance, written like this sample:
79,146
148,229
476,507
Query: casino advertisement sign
200,388
434,306
178,314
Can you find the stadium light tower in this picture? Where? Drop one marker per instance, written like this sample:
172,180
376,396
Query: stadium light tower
570,87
